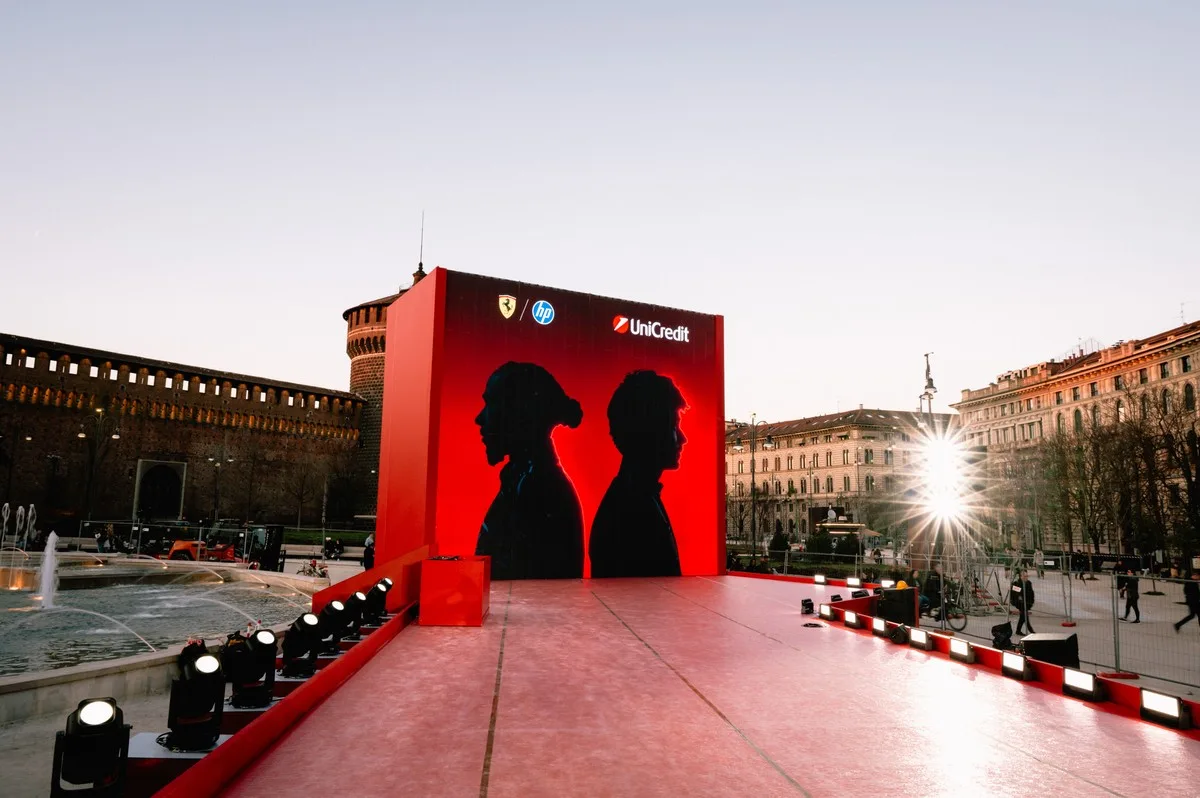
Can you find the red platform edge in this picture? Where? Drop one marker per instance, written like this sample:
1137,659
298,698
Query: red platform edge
215,772
1121,698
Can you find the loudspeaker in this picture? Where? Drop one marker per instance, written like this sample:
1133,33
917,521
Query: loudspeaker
899,635
1053,647
860,594
899,606
806,607
1002,636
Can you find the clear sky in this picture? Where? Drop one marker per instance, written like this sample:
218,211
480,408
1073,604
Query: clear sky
850,184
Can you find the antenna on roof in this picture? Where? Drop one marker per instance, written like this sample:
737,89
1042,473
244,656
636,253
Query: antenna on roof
419,274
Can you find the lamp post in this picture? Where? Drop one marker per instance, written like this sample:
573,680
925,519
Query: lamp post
104,428
217,461
768,443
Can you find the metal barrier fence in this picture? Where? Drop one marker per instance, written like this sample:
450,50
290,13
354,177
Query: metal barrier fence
1091,605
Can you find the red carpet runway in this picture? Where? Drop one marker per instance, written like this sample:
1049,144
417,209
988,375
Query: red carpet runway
699,686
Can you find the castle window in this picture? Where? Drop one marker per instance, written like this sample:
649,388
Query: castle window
1164,370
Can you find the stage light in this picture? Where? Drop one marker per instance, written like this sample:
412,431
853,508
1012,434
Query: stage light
1166,709
1015,665
300,646
197,701
387,580
826,612
91,754
1082,685
860,594
899,634
353,614
853,581
806,606
819,579
919,638
332,622
376,606
962,650
879,627
878,591
852,619
249,665
887,584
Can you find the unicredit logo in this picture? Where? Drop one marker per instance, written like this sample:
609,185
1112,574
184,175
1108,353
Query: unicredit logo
649,329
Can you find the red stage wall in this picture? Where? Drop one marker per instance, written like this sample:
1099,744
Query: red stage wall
448,335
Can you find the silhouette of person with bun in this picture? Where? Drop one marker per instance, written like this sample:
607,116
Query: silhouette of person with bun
534,528
631,534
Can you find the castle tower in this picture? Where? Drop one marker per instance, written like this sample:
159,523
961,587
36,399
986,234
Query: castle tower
366,341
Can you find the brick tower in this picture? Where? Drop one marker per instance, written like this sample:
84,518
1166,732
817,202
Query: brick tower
366,341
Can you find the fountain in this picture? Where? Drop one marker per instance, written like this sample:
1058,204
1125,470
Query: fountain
30,528
46,578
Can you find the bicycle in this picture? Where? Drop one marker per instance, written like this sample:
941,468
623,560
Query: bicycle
952,608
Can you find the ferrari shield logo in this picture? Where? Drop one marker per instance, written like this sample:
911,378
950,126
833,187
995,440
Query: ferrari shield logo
508,305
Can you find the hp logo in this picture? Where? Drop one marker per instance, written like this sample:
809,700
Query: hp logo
543,312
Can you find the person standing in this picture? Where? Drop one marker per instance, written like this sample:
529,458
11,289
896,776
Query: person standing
1191,596
1020,595
1039,562
1128,585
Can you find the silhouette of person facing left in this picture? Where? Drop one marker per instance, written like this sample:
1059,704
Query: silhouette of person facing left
534,527
643,420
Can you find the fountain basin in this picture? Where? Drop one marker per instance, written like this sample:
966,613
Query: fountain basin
34,639
59,691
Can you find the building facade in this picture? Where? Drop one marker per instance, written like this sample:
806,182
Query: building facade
86,433
1027,407
781,476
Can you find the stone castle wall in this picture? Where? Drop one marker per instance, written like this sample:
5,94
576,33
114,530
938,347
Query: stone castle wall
278,444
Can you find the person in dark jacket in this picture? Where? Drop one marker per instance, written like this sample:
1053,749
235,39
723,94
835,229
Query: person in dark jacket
1128,585
1020,596
932,590
1191,595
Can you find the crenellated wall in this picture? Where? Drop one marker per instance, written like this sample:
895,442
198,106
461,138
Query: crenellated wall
60,406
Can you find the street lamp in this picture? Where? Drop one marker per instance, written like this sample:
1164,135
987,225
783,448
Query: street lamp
768,443
216,461
105,429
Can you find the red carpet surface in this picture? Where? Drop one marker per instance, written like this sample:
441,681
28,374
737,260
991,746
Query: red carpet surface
699,686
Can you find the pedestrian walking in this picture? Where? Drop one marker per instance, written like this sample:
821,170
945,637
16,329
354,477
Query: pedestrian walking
1191,595
1020,595
1128,586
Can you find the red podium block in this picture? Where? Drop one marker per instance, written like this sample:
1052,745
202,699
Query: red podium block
455,592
